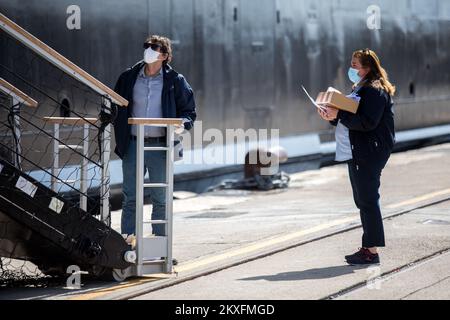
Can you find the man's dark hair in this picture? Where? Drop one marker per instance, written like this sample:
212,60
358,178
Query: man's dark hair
165,43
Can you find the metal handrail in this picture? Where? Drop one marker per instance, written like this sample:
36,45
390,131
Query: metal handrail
16,94
59,60
71,121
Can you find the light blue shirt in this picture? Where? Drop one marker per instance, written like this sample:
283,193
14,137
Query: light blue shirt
343,145
147,93
342,136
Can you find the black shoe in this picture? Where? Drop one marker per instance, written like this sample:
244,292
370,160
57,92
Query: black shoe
360,253
363,257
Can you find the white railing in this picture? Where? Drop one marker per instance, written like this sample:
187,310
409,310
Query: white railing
57,148
149,248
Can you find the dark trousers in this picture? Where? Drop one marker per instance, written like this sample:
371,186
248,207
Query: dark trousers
365,178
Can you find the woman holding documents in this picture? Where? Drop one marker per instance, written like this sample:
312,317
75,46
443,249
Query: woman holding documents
365,140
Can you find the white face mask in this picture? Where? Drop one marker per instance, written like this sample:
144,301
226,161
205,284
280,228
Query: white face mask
151,56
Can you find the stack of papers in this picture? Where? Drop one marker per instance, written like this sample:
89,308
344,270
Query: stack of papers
322,108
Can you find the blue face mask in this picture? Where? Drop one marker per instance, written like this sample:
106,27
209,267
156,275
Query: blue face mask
353,75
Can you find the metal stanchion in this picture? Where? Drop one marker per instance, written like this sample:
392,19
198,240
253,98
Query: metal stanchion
148,249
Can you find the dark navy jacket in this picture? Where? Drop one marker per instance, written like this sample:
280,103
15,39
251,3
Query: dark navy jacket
372,128
177,102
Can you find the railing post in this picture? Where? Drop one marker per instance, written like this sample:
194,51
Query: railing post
55,167
139,199
169,195
17,133
106,155
84,167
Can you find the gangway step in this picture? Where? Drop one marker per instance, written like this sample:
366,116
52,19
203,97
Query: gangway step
70,147
156,185
151,262
156,149
156,222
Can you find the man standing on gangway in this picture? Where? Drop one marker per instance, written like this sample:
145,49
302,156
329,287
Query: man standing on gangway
154,90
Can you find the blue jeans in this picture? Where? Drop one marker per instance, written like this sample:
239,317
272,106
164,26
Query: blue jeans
155,164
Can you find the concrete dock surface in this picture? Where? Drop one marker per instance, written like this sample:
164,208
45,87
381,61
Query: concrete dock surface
290,244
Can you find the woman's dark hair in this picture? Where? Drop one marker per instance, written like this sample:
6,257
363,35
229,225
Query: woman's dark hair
377,76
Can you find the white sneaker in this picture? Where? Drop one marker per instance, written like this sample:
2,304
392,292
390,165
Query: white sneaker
130,240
